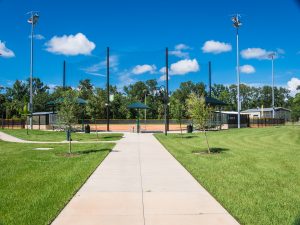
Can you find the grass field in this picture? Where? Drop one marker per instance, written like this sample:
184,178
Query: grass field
39,135
36,185
256,175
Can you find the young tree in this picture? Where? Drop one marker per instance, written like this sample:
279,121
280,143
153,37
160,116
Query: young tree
177,112
199,112
67,111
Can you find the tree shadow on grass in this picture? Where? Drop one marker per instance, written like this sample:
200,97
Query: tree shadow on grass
188,136
111,137
79,153
297,221
85,152
212,151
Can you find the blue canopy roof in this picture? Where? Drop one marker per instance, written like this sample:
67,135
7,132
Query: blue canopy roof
137,105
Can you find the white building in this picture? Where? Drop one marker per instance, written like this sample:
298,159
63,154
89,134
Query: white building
260,113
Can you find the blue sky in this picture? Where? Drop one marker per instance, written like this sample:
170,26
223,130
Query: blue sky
137,32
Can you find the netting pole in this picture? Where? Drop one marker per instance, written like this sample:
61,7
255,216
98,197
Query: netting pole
107,88
167,93
209,77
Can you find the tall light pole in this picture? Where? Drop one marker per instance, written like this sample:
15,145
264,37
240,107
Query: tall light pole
272,56
107,89
167,94
145,100
162,91
237,23
34,17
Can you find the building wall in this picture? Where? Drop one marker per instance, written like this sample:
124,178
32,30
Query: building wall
279,114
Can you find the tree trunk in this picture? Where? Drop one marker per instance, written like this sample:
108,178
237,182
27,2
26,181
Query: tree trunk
208,148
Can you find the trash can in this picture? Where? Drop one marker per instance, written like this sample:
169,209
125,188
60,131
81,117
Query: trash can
87,129
68,133
138,126
189,128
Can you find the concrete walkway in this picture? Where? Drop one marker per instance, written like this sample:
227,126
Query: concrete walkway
140,183
10,138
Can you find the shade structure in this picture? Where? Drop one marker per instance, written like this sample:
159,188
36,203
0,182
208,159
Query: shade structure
137,105
214,102
80,101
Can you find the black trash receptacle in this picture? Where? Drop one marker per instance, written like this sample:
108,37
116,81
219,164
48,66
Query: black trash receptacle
190,128
87,129
68,134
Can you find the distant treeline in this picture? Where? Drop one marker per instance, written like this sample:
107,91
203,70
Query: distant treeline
14,100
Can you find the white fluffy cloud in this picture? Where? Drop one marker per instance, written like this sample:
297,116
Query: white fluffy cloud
184,66
180,51
254,53
258,53
247,69
216,47
70,45
292,85
140,69
5,52
182,47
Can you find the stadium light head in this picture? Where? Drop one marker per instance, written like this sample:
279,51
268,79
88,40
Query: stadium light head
34,18
236,21
272,55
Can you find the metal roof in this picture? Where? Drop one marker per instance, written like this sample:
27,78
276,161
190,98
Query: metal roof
42,113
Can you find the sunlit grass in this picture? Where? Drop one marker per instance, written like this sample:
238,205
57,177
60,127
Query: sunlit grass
36,185
255,175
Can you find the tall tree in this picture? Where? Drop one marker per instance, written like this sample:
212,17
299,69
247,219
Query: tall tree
296,108
16,97
85,88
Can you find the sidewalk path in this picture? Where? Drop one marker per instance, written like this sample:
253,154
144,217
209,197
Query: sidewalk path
10,138
140,183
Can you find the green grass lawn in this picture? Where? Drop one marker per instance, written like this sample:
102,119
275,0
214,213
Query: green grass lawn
36,185
256,176
40,135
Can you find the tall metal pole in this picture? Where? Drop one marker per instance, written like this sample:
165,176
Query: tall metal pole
31,73
145,109
32,20
273,97
107,88
167,94
237,23
209,77
238,77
